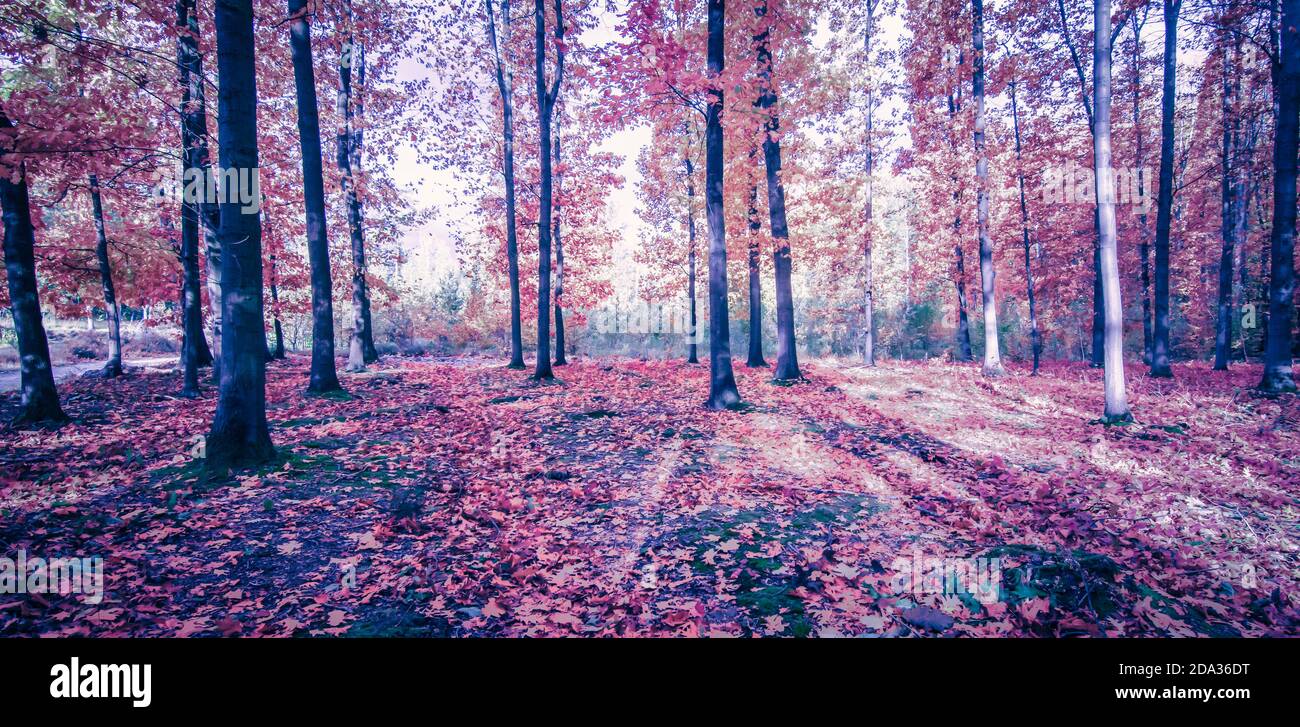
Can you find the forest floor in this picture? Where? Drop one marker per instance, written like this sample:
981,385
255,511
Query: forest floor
456,497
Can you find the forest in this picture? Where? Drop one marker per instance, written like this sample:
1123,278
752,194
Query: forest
649,318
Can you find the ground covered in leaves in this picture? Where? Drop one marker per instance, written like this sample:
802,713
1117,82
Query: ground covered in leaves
458,498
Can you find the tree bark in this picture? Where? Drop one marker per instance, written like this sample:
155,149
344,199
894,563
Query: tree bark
368,351
1164,201
1227,214
40,398
113,367
559,254
197,165
1144,246
505,87
755,359
344,141
1116,398
692,347
722,380
868,293
963,352
239,436
1281,284
1035,337
324,374
787,359
988,273
546,96
194,347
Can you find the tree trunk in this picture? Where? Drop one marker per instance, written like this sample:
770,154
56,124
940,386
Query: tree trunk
988,274
755,359
1164,201
868,303
194,347
199,206
369,353
545,110
324,374
1116,397
1227,216
722,380
1281,285
963,352
277,351
1035,337
787,359
239,435
113,367
40,399
559,253
692,347
1144,247
343,157
505,87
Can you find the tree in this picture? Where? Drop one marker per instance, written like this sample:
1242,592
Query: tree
787,359
722,380
868,304
40,399
323,376
361,349
1035,336
559,249
113,368
194,161
1285,75
988,275
239,436
546,98
1116,397
505,87
1164,200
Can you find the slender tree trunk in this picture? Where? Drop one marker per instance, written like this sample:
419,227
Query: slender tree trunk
40,399
722,380
787,358
194,347
692,347
545,110
755,359
1144,246
1035,337
1227,214
277,351
199,202
963,352
357,358
1281,286
190,303
1244,193
559,251
368,351
505,87
239,435
1116,397
988,273
324,374
1164,202
113,367
868,293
